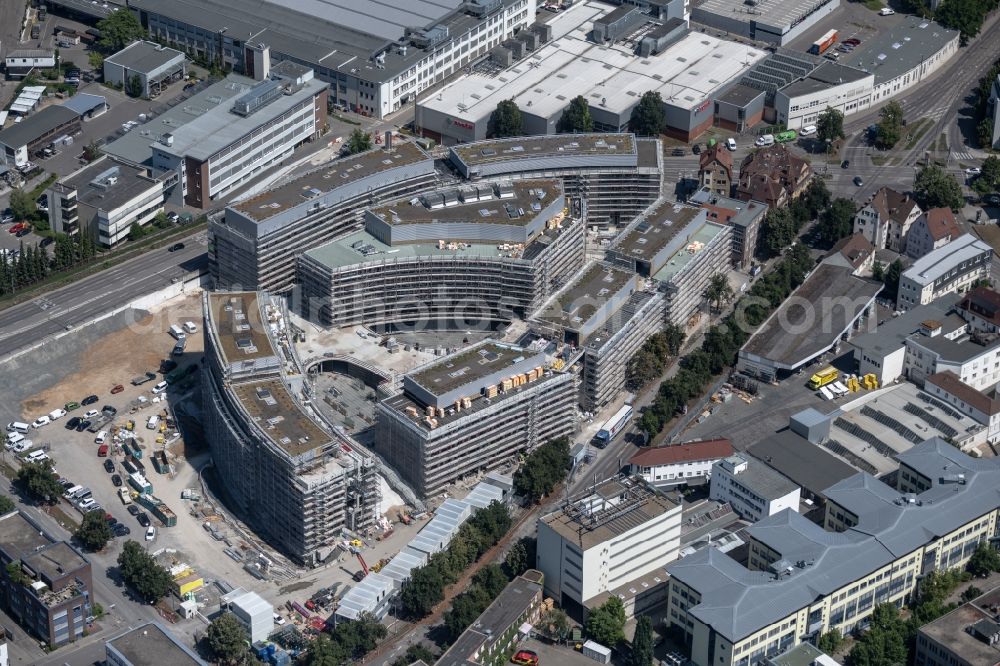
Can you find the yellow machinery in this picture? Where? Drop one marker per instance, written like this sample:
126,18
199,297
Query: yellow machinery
825,376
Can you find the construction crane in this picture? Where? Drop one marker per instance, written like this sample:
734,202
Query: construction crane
364,565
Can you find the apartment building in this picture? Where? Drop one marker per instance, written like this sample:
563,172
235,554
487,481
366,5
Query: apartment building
982,406
715,170
803,579
375,63
980,307
677,464
256,242
886,218
149,643
973,357
932,230
494,634
744,218
773,176
104,199
49,589
612,533
287,473
473,411
753,489
468,257
955,267
605,312
616,175
227,146
676,246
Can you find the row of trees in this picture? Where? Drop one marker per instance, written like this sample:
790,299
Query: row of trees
723,341
651,360
507,119
964,15
426,586
890,125
782,225
347,642
984,119
142,573
39,481
543,470
836,221
890,277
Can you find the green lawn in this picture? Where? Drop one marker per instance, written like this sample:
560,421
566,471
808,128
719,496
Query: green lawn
874,5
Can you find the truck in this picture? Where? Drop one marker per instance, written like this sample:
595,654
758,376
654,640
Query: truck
613,426
36,31
142,379
820,46
786,136
825,376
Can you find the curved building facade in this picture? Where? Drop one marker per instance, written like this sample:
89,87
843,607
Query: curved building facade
393,275
296,483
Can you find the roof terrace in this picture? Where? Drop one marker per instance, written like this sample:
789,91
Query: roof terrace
471,366
485,152
656,230
573,307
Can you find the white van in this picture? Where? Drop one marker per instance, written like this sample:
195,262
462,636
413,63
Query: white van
190,327
102,437
765,140
72,491
885,11
17,426
808,130
153,421
159,388
57,414
177,332
36,456
13,439
731,143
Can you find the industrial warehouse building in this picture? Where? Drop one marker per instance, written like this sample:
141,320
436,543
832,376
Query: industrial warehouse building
285,472
687,70
464,258
617,175
773,21
154,64
828,308
256,242
952,268
474,410
803,579
612,533
376,62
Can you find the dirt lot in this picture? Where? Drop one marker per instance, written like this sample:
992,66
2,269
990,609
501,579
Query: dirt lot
116,358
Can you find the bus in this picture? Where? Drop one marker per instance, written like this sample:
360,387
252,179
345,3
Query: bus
613,426
823,377
786,136
823,43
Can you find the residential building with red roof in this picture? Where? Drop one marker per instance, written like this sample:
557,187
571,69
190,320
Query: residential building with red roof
886,219
715,169
983,407
773,175
679,463
981,308
935,228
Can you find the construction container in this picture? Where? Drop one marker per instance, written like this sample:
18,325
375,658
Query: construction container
597,652
159,509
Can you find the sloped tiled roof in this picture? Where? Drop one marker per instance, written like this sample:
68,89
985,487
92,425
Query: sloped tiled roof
709,449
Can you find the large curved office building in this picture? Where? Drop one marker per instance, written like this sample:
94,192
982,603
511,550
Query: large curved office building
465,258
284,471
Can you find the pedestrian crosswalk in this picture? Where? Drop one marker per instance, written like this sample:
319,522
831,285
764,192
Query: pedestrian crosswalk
956,155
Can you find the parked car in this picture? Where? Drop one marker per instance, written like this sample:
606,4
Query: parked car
89,400
173,217
143,519
150,533
91,414
121,530
696,149
57,414
845,164
973,171
71,405
858,181
117,388
116,480
175,247
678,152
133,509
886,11
102,437
7,216
109,466
73,423
525,658
853,41
159,388
731,143
167,365
83,425
40,421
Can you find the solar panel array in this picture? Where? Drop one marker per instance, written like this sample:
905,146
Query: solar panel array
940,405
930,419
892,423
851,457
865,436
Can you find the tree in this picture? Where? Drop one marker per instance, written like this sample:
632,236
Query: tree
642,643
984,132
984,561
359,637
830,126
890,125
837,221
227,639
556,625
358,142
6,505
415,652
878,271
325,652
140,570
937,188
515,561
544,468
16,575
779,231
40,481
647,117
718,291
119,30
831,641
964,15
989,179
576,117
22,204
884,644
506,119
970,593
133,86
94,532
96,59
606,623
892,280
422,592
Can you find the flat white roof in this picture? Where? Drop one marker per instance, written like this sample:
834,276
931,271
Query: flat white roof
686,74
939,262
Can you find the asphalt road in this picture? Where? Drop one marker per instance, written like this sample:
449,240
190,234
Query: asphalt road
78,303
